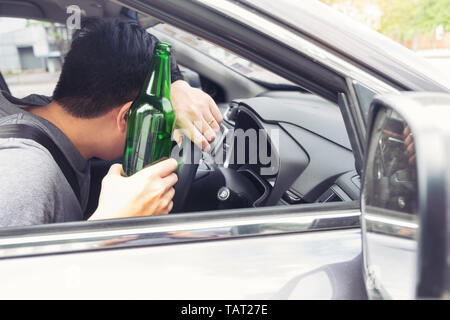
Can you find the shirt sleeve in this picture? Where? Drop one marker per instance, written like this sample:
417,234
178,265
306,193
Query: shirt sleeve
175,70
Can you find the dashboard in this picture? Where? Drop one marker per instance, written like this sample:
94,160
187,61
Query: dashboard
279,148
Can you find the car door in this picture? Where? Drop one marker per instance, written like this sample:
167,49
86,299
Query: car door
295,251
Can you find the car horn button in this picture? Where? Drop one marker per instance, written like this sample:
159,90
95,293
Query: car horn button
223,194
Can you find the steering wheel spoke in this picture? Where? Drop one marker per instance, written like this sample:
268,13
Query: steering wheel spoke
189,156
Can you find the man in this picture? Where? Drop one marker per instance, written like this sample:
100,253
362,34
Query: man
101,76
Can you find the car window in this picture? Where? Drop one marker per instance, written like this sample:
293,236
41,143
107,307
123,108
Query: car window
31,55
227,58
34,66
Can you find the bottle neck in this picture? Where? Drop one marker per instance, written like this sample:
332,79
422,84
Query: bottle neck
157,83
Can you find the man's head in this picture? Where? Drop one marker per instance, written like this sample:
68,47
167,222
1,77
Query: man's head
103,73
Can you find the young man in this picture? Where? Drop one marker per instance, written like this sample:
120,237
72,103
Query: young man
87,117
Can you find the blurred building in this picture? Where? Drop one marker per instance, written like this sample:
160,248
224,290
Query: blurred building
32,48
428,42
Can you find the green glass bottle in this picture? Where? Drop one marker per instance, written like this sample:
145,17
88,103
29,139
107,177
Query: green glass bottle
151,118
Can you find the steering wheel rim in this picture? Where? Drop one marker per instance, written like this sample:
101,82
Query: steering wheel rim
188,165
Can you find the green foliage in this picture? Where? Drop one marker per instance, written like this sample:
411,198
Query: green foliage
399,18
403,19
433,13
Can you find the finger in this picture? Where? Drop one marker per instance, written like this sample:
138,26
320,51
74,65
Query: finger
161,169
392,134
170,206
204,127
195,135
170,180
410,149
116,169
215,111
166,200
412,159
211,120
167,208
168,196
408,140
212,123
190,131
406,131
178,136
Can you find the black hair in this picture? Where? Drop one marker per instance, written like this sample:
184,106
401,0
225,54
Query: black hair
105,67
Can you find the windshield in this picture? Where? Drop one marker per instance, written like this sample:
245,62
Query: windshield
225,57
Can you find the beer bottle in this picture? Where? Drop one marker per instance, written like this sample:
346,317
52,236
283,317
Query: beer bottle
151,117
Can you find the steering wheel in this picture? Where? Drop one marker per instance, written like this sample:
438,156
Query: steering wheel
189,161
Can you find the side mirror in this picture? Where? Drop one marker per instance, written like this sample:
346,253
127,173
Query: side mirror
405,197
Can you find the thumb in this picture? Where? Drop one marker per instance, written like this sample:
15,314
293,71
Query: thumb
116,170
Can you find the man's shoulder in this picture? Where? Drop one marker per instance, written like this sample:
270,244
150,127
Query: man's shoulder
27,157
31,189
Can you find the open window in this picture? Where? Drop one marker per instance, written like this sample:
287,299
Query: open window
280,145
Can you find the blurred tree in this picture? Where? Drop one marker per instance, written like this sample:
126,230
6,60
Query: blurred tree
399,18
403,19
432,14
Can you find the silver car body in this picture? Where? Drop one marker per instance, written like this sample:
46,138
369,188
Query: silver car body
304,251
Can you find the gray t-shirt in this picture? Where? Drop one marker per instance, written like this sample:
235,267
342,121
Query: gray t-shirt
33,189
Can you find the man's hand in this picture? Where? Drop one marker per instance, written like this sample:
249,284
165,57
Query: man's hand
196,114
147,192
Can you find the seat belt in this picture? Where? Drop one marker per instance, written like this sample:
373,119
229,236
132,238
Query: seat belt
24,131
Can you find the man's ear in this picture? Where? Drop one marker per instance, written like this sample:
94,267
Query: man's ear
122,116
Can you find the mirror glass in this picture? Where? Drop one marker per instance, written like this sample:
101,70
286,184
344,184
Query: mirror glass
389,204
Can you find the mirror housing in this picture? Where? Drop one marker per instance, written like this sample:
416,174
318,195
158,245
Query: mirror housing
405,197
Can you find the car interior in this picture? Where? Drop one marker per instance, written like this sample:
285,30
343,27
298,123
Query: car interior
301,154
